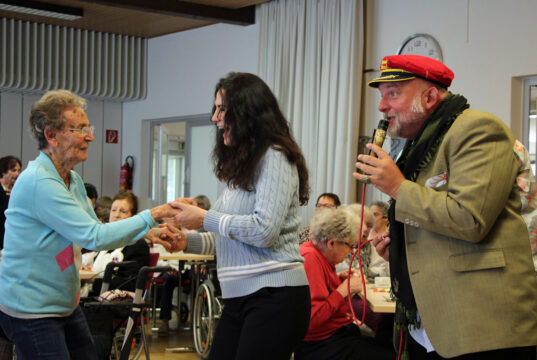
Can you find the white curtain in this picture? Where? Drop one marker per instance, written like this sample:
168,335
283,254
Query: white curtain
310,55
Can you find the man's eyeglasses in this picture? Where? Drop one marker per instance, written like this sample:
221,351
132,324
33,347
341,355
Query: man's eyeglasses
86,130
325,206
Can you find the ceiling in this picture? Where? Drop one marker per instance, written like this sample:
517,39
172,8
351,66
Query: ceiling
148,18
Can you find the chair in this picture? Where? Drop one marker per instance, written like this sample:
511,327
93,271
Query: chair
152,284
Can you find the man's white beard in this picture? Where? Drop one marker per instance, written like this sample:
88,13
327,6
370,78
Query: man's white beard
416,106
415,109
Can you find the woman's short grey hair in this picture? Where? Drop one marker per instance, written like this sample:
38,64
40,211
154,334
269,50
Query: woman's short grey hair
383,206
47,113
339,223
356,210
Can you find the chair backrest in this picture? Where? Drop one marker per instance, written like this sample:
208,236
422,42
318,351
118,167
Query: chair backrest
153,261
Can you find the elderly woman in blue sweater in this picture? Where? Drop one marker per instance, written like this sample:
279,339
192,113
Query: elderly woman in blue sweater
49,220
253,226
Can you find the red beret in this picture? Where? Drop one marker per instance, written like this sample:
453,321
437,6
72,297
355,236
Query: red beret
407,67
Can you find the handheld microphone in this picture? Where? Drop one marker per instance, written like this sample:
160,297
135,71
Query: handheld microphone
379,135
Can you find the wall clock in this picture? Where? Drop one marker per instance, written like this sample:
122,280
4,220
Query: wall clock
421,44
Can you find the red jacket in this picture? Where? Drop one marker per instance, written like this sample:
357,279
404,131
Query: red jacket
329,310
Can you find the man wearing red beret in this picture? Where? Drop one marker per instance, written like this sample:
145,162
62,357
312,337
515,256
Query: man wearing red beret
460,262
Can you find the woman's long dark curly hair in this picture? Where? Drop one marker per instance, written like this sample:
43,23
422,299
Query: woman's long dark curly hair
256,123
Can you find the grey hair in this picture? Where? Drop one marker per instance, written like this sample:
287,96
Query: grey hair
356,210
47,113
384,206
340,224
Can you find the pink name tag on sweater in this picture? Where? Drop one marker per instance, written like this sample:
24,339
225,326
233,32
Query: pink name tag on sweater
65,258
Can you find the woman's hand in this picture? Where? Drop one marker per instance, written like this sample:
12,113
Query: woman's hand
163,211
356,285
381,244
189,216
168,236
345,274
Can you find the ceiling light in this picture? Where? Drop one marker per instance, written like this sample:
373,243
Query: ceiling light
42,9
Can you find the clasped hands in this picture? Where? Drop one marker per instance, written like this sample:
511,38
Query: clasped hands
181,213
167,235
188,214
355,280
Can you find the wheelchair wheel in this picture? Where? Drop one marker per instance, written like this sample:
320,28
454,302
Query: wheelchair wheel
136,347
206,313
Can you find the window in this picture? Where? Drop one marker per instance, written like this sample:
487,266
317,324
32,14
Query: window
530,119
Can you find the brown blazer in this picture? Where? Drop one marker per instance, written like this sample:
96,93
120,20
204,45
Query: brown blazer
469,257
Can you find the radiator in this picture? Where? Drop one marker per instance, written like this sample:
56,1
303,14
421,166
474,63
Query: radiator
40,57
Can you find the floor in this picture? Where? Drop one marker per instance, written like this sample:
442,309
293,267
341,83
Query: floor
158,346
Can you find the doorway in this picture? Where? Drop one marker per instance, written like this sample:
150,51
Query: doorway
180,159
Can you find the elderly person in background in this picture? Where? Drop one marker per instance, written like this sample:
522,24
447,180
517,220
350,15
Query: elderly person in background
102,208
124,205
365,250
92,193
203,202
324,201
48,221
380,324
332,333
10,168
377,265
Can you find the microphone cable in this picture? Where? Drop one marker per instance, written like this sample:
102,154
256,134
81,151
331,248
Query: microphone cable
378,139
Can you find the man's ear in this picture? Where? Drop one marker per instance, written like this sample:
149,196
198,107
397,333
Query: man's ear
432,98
50,135
330,243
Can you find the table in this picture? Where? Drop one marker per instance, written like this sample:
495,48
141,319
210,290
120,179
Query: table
87,274
379,299
183,259
187,257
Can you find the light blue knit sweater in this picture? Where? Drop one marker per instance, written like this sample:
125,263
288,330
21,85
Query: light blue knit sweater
47,224
255,233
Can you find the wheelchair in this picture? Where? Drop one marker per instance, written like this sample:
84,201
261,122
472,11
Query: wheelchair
127,338
206,313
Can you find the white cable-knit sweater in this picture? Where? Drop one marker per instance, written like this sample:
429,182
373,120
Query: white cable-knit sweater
255,233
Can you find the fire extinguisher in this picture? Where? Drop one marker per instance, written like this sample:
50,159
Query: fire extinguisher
125,176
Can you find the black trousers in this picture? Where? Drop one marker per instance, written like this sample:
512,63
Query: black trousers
345,344
418,352
267,324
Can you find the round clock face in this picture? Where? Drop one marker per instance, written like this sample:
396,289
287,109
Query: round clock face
421,44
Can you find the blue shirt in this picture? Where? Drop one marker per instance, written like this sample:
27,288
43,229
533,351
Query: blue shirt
46,226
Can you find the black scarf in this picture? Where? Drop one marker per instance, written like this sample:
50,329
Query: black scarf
417,155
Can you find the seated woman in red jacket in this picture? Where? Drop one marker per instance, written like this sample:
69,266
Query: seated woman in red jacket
331,333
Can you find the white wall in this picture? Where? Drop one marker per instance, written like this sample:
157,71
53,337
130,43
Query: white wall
183,69
485,42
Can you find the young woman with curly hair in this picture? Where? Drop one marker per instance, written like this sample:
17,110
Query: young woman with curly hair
253,226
